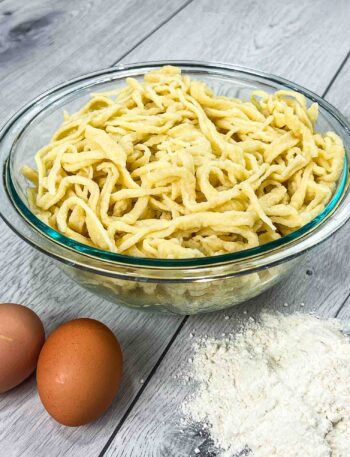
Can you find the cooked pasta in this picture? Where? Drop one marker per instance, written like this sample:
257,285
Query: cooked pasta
166,169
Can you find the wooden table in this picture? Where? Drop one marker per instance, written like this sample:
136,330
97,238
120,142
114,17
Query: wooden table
46,42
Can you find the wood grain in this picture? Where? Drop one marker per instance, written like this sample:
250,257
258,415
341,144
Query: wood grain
321,281
319,284
65,39
339,93
303,41
26,429
42,44
339,96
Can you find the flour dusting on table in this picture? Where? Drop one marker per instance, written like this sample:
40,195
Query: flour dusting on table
280,388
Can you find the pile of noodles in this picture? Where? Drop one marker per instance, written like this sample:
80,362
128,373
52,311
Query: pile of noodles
166,169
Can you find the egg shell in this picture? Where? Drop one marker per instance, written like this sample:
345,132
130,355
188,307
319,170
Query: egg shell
79,371
21,338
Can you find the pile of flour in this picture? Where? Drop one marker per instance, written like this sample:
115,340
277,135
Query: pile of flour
280,388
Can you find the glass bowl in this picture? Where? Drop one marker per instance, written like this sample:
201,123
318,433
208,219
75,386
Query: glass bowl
182,286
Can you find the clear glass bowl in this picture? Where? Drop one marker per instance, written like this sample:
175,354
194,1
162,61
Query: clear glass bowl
185,286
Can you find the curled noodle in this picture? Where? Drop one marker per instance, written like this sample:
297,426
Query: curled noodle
166,169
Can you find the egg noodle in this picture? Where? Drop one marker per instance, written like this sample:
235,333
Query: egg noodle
166,169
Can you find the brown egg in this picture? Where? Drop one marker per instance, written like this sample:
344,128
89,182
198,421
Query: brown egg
79,371
21,338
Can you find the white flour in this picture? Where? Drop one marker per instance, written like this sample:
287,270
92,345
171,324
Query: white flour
280,388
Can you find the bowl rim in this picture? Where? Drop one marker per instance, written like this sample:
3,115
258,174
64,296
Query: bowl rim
278,250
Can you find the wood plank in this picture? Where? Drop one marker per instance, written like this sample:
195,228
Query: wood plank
339,96
42,44
317,283
344,313
297,41
78,295
26,428
321,280
339,93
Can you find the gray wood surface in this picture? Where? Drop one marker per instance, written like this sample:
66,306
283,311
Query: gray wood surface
45,42
339,93
339,96
304,41
321,281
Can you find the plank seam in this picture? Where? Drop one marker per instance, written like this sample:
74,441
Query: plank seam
185,5
139,393
342,305
336,74
183,322
173,338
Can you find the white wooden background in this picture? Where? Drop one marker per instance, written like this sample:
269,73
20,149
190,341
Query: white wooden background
45,42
